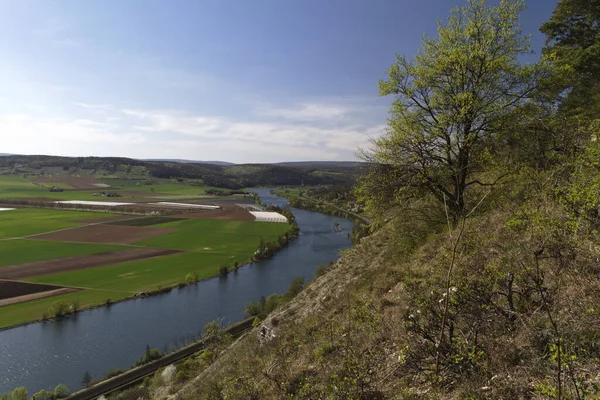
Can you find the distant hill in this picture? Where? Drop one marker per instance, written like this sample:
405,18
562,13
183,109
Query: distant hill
188,161
322,164
5,154
231,176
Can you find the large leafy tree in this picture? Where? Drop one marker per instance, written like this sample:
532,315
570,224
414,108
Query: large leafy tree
451,105
573,43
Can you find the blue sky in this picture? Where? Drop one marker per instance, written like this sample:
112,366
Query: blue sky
234,80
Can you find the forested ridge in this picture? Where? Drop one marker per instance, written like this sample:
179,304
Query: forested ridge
234,176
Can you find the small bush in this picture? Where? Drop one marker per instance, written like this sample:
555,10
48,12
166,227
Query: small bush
114,372
61,391
223,271
58,309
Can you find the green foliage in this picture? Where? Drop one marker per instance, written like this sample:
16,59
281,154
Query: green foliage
572,36
223,270
61,391
265,306
149,356
19,393
43,395
59,309
86,380
114,372
451,107
192,277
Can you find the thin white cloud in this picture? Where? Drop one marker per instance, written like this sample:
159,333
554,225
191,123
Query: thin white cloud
148,133
341,139
307,112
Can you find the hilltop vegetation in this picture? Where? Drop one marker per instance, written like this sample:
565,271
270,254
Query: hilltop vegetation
234,176
481,279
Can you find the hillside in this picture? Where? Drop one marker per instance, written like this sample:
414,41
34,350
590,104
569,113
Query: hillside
234,176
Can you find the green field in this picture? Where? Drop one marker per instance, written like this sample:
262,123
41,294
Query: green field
31,221
144,275
216,235
20,251
12,186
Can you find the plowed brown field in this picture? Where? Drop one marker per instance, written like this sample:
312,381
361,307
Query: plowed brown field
17,292
76,183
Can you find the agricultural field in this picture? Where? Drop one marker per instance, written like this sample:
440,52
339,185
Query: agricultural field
80,259
21,251
12,186
31,221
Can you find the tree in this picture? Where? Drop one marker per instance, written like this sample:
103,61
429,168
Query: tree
452,103
19,393
43,395
61,391
573,43
86,380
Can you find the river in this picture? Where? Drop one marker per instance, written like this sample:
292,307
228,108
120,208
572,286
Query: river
42,355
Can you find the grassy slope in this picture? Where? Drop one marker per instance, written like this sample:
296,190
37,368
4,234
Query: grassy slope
21,251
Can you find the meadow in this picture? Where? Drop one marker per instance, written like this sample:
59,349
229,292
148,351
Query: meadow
216,235
144,275
20,251
30,221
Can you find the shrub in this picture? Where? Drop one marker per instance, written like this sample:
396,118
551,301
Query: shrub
19,393
192,277
58,309
114,372
61,391
43,395
223,271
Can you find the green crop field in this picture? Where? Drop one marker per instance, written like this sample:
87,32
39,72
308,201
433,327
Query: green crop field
16,187
211,243
31,221
206,244
144,275
171,189
216,235
20,251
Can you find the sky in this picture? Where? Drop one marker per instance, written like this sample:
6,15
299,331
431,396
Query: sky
233,80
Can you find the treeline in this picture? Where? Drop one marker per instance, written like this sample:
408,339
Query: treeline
263,307
223,176
60,392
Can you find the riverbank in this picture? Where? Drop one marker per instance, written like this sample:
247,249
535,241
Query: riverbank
103,339
58,308
299,199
